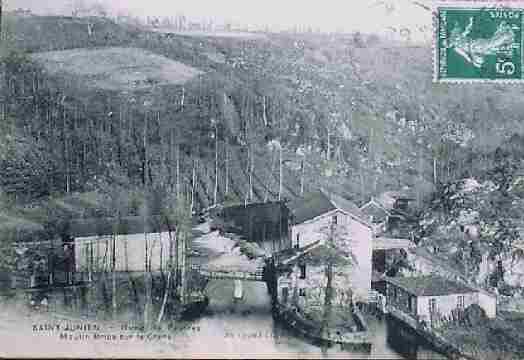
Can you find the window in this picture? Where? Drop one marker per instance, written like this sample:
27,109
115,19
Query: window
413,304
302,292
297,245
285,294
460,301
432,306
335,219
302,271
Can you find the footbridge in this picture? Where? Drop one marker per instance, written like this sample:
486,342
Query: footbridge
229,273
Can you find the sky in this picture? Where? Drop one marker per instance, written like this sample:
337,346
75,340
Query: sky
369,16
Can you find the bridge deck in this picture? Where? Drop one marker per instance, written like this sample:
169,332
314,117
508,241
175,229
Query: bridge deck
214,273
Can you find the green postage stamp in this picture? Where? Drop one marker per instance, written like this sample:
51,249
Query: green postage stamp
476,41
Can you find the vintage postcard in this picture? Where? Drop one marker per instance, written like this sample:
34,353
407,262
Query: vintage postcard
261,179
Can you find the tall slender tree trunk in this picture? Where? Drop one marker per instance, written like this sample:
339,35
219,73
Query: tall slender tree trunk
147,280
147,268
66,149
271,172
171,159
177,187
435,171
227,168
91,262
167,288
328,297
215,194
280,172
328,153
264,112
251,170
302,175
193,188
181,259
1,32
113,278
145,160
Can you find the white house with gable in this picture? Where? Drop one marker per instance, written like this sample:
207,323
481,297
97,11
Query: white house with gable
318,216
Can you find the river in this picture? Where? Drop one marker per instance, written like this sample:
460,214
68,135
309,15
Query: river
246,326
228,328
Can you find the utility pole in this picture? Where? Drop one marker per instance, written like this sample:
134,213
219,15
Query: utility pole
215,194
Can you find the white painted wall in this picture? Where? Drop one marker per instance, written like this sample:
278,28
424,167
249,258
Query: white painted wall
350,233
360,240
489,303
312,230
133,245
315,286
445,303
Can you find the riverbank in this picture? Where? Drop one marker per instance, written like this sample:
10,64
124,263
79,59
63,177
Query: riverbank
226,328
358,339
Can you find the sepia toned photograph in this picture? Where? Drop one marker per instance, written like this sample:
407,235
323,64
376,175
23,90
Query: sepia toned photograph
261,179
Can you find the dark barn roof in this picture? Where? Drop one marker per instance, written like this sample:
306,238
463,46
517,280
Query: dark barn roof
270,212
106,226
310,206
430,285
258,221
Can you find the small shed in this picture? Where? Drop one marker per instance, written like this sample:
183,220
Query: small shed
125,243
432,296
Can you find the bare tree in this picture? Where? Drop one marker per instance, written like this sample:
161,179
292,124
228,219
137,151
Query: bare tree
177,221
193,186
336,252
227,168
147,275
215,193
302,174
280,175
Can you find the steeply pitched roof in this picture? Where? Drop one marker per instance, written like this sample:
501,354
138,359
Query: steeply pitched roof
310,206
318,203
348,206
430,285
375,210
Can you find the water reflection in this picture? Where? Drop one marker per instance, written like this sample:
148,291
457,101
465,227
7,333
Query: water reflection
247,328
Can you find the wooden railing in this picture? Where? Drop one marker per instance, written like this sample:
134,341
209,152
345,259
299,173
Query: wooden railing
228,273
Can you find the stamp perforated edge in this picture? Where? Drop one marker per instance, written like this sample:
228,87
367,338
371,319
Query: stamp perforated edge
516,4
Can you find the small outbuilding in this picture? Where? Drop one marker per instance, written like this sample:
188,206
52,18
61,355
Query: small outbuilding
426,298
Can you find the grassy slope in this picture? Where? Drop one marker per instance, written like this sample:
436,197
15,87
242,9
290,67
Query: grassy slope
116,68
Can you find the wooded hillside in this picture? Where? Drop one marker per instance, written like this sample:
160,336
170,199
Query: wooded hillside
349,113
